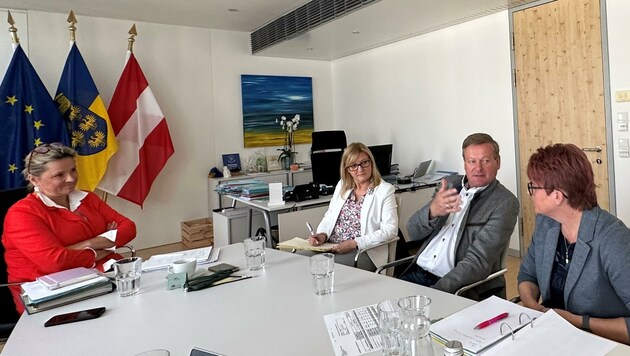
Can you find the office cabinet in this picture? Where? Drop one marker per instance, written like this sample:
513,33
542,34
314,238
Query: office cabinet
231,225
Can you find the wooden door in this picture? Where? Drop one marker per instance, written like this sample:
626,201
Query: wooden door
559,89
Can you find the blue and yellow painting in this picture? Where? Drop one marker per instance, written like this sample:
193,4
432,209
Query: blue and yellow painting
269,97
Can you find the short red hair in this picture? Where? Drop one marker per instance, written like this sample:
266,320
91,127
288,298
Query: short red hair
565,167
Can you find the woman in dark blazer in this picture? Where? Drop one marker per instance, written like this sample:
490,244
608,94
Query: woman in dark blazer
577,260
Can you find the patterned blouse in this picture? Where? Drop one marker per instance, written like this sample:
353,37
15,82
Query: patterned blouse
348,226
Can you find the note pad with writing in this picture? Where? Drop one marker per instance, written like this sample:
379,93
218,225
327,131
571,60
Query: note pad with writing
302,244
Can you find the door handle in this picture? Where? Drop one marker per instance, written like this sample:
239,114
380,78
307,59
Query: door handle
592,149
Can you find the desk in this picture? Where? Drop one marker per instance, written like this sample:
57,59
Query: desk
263,206
275,313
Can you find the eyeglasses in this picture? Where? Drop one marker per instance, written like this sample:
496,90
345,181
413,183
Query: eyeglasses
45,148
363,164
531,187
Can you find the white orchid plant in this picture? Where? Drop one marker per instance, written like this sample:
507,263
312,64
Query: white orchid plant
289,127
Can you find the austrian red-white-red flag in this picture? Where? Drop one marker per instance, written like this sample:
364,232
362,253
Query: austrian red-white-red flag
144,142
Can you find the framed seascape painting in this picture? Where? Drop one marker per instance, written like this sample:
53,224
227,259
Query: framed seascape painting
266,98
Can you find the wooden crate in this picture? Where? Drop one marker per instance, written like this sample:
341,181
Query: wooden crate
197,230
198,243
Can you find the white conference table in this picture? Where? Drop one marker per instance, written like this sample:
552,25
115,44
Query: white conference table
275,313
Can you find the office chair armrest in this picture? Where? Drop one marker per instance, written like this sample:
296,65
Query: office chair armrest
516,300
132,250
399,262
365,250
473,285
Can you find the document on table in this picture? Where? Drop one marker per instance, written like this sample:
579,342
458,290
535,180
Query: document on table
354,332
163,261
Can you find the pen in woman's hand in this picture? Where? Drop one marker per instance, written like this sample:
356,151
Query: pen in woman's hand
310,228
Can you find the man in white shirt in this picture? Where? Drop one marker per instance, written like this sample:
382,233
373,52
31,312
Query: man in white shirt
467,225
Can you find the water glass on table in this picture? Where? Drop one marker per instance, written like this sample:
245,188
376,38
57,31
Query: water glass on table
389,321
323,272
415,325
255,252
128,272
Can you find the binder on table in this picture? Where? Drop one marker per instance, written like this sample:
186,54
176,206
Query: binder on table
524,332
37,298
461,325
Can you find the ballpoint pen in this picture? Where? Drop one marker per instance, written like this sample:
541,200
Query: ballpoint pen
310,228
489,322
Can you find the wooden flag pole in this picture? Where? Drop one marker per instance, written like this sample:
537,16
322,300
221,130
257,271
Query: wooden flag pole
13,29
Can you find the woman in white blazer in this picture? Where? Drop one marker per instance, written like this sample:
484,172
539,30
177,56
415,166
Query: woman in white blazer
362,211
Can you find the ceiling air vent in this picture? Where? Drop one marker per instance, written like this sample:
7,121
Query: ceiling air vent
303,19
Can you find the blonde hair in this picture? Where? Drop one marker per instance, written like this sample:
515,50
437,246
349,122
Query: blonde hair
35,162
350,155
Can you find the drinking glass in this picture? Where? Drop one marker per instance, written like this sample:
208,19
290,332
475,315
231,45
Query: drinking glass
389,321
255,252
128,272
323,272
414,331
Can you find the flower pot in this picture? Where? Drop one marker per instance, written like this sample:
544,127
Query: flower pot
287,161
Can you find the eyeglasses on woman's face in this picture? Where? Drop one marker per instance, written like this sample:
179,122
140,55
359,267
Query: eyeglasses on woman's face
42,149
363,164
531,187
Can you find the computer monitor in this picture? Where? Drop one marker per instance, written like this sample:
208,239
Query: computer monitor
382,157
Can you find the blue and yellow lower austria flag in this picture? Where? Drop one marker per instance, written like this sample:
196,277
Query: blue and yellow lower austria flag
90,130
28,118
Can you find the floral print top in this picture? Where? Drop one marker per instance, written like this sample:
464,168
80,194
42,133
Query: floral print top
348,226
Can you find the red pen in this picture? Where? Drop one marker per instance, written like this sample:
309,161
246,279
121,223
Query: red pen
489,322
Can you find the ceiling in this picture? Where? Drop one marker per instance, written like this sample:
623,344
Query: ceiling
376,24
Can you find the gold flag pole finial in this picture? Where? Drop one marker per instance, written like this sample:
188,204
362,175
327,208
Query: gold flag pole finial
132,33
13,29
72,20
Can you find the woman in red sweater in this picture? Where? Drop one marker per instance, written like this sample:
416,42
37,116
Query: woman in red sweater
58,227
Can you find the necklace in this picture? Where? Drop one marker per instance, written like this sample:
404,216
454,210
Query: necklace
566,251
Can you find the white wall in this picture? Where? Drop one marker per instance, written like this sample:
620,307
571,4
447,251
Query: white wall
617,13
427,93
231,57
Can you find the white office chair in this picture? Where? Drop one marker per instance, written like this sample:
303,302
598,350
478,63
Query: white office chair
390,255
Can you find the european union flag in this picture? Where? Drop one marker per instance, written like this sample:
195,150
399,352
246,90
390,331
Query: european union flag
28,118
91,132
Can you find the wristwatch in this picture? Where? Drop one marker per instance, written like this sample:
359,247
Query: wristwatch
586,323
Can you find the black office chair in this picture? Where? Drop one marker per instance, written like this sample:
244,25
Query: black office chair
326,151
8,314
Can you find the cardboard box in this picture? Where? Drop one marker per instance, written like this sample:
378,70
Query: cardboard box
197,230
